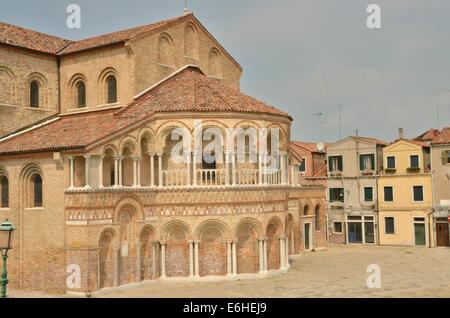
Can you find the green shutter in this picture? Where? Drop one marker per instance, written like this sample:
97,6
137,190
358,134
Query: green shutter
340,163
361,162
444,156
372,162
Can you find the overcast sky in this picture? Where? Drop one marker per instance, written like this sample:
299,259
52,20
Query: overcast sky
304,56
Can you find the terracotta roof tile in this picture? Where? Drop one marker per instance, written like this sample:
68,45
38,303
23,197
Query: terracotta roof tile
308,146
188,90
29,39
442,138
428,135
374,140
116,37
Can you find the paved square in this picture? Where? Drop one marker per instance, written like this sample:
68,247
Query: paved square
338,271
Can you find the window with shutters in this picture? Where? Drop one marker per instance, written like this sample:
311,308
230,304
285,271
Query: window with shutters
417,193
388,194
367,162
445,156
4,192
335,163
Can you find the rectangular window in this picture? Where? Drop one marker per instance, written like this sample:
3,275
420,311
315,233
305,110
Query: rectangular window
368,194
414,161
335,163
418,193
390,162
389,227
336,195
367,162
337,227
445,156
302,165
448,156
388,194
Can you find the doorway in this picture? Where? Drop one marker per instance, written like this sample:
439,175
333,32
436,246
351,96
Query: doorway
307,236
442,238
419,234
355,232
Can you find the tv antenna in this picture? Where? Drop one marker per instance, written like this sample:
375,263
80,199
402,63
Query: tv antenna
436,94
339,121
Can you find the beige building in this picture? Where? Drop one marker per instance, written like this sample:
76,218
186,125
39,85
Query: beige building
87,172
352,199
440,164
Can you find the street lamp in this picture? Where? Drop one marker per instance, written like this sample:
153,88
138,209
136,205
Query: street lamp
6,238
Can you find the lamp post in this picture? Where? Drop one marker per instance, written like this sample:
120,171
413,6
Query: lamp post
6,238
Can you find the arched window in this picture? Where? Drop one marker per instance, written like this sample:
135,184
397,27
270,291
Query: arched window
317,217
81,94
34,94
306,210
37,187
215,63
4,185
165,49
190,41
111,84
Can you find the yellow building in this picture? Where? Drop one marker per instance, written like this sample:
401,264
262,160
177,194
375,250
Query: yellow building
405,194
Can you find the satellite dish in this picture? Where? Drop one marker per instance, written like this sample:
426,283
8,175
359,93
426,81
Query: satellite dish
320,146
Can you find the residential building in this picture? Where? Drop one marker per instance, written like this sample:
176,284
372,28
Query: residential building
352,167
440,173
405,194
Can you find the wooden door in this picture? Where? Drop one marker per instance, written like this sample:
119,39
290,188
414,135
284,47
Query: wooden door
442,238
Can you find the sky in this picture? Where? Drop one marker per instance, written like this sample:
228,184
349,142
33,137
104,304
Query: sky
307,57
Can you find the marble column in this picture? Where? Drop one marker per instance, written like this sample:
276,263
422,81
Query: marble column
163,259
160,181
152,169
116,171
260,168
100,172
154,263
188,169
87,172
138,262
265,254
261,255
234,256
282,252
71,167
194,168
135,172
233,167
115,265
229,258
196,260
191,259
120,174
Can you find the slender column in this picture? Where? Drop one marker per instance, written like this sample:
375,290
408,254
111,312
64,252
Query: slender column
234,253
138,262
261,255
191,259
155,246
286,250
265,175
260,168
160,170
227,167
87,172
163,259
71,167
194,168
229,258
233,167
265,254
282,167
188,169
100,172
196,264
292,175
135,171
115,266
120,172
292,245
282,252
139,172
152,169
116,171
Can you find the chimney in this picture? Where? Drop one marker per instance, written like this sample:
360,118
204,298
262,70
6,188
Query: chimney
400,133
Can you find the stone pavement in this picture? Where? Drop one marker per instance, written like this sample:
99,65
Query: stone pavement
338,271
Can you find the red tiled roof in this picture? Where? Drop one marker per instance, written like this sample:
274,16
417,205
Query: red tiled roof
429,135
189,90
309,146
68,132
29,39
412,141
442,138
36,41
116,37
